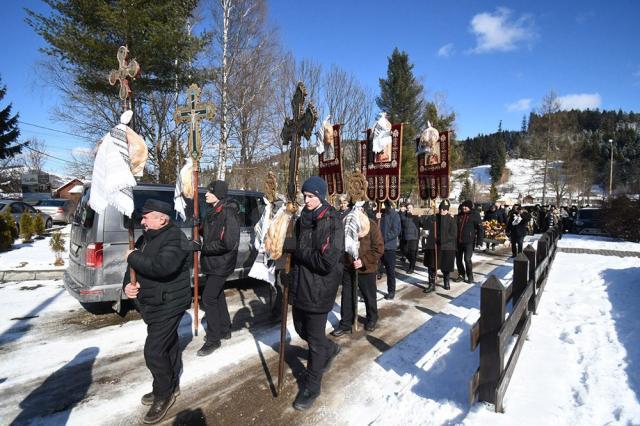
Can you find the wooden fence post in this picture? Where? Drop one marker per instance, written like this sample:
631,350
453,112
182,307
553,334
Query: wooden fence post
530,252
492,315
520,277
543,244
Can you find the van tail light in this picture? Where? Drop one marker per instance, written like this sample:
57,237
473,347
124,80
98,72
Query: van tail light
94,255
60,210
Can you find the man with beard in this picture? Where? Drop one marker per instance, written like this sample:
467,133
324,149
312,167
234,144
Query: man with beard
470,231
316,254
441,245
162,293
220,240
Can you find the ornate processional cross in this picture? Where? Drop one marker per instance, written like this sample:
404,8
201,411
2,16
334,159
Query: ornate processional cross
301,124
194,112
125,70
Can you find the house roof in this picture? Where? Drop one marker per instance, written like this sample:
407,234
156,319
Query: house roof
73,181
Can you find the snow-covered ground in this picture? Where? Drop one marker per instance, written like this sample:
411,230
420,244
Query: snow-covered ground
34,256
580,365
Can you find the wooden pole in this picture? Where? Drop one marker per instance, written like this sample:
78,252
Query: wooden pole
196,254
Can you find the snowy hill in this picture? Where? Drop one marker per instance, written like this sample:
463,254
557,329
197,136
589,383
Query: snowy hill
525,178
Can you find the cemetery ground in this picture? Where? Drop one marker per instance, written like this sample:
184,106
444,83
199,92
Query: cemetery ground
580,365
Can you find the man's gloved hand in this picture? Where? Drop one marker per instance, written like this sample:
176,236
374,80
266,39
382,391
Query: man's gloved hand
195,245
289,245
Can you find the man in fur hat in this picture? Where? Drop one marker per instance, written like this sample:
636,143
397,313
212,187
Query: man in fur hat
441,245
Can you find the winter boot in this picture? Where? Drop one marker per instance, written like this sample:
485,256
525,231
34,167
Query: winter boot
159,409
305,399
446,281
148,398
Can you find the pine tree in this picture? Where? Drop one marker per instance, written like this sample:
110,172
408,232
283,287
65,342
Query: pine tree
57,244
493,193
401,98
7,217
466,192
9,131
523,126
26,227
38,225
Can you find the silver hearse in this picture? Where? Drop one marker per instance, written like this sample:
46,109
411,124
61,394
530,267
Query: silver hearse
98,243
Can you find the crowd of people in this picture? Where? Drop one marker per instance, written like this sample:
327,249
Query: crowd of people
162,258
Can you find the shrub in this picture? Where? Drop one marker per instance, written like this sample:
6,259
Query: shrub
622,219
6,237
11,223
26,227
38,225
57,244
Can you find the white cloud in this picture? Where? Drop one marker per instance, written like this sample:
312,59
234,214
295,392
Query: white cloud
523,104
498,32
80,151
446,50
580,101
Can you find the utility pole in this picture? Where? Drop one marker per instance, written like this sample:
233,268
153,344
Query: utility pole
611,170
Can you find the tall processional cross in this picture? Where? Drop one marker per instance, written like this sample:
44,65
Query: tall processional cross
194,112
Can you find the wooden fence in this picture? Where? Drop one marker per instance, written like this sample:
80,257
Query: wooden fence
494,330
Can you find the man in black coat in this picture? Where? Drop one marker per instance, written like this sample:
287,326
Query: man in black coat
469,231
491,214
162,293
220,240
317,251
517,228
390,227
410,234
441,245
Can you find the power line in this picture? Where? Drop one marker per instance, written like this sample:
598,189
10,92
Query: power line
53,130
48,155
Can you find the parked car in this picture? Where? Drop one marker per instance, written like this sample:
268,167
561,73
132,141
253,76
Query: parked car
590,221
17,208
98,243
59,209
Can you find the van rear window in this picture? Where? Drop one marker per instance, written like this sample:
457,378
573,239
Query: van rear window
84,213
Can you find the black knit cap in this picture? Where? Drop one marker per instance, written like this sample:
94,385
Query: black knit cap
218,188
315,185
152,205
444,205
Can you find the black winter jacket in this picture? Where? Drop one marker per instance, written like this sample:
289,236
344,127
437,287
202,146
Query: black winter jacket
518,230
469,228
162,264
410,226
220,238
390,227
442,232
317,260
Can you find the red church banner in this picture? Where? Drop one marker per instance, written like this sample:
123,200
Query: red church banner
382,169
330,164
433,168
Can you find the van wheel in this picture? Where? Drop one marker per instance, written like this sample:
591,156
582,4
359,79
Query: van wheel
49,224
98,308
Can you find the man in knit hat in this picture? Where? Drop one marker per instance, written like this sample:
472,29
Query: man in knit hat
316,255
220,240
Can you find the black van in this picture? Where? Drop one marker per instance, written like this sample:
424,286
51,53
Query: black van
98,243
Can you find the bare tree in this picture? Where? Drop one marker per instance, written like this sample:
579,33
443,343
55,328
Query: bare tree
35,155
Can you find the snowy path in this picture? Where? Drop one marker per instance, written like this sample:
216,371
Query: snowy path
580,365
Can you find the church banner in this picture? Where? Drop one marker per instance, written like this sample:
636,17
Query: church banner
330,164
382,169
433,168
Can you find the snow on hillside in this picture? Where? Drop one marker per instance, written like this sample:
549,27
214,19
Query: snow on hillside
524,178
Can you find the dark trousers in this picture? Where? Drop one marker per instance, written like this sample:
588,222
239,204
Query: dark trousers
464,252
367,285
516,245
411,251
215,305
310,326
389,262
163,356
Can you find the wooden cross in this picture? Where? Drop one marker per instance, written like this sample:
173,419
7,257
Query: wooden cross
194,112
125,70
301,124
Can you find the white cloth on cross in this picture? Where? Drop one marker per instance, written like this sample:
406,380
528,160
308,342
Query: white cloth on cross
179,204
351,229
263,268
381,133
112,181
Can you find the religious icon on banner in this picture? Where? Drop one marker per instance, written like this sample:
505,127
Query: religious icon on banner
382,168
330,161
433,164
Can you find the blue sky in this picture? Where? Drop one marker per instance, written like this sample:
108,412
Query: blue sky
493,60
